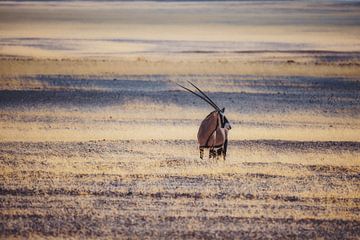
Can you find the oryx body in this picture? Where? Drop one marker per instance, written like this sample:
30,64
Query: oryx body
213,131
213,134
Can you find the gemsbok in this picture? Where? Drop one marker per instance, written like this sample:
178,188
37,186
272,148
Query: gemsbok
213,130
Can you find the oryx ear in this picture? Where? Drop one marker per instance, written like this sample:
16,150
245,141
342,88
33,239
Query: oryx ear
223,110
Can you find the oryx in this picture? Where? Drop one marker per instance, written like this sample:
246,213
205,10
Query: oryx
213,131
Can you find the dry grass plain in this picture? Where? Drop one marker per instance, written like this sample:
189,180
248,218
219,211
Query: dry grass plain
160,189
97,141
115,157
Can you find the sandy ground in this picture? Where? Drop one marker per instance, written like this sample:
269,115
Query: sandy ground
97,140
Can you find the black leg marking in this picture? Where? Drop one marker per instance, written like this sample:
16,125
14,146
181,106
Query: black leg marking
201,153
219,152
212,153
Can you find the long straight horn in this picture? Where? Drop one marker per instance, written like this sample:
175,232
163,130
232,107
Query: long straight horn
211,104
209,99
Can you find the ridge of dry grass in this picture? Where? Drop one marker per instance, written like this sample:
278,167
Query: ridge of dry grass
205,64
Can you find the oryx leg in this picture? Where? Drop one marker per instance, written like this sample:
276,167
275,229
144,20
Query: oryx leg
225,149
212,153
202,153
219,152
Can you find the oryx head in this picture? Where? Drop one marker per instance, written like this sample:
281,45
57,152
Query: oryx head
224,121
